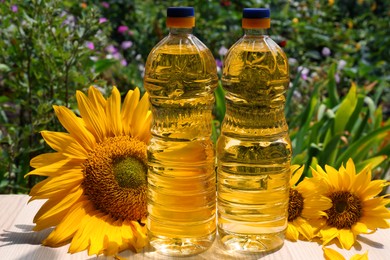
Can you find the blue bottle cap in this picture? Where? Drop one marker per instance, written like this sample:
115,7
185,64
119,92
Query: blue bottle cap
256,13
180,12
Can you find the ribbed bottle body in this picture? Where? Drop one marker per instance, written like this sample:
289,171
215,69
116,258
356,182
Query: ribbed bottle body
180,77
254,149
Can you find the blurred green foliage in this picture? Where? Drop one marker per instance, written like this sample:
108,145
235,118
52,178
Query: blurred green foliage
337,104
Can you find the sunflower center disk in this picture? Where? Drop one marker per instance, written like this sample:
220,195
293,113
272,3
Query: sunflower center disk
346,210
129,172
115,177
295,206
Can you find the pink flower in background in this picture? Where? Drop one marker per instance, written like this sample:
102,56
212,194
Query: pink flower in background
222,51
219,63
14,8
124,62
126,44
341,64
122,29
304,72
105,5
90,45
102,20
111,49
325,52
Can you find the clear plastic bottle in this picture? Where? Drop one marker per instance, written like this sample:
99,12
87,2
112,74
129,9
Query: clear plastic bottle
180,77
254,149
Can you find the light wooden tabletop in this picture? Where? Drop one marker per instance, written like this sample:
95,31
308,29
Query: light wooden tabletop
18,241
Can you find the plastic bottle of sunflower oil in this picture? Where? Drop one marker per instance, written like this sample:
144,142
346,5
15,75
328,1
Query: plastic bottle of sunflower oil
254,149
180,77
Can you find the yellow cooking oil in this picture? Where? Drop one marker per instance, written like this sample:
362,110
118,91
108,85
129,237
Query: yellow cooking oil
254,149
180,77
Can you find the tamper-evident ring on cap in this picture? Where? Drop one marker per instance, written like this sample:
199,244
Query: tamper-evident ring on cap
180,17
256,18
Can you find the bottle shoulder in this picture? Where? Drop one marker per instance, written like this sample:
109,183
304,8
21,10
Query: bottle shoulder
255,43
182,44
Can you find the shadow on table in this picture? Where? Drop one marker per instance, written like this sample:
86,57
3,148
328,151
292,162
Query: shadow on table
369,242
25,236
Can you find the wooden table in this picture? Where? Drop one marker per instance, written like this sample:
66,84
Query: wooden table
18,241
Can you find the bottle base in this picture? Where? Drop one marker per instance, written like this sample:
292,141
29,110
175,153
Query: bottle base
251,243
171,246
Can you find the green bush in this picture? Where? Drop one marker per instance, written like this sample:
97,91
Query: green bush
338,103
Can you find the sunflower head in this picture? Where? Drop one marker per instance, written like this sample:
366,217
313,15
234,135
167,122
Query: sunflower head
96,185
306,203
356,205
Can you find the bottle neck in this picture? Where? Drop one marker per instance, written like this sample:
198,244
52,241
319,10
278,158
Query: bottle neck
256,32
180,31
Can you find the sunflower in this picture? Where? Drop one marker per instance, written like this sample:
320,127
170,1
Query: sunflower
330,254
356,208
306,202
96,180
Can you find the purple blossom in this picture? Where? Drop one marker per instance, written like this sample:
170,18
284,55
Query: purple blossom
325,52
117,56
14,8
102,20
292,61
219,63
304,72
90,45
111,49
126,44
222,51
341,64
122,29
337,78
124,62
105,5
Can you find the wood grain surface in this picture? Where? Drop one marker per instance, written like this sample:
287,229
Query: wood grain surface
18,241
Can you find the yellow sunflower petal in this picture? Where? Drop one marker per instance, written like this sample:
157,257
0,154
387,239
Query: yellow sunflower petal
94,117
55,207
296,173
57,168
57,184
140,235
52,212
65,144
292,233
373,188
362,180
139,117
350,167
360,257
328,234
47,159
113,113
330,254
113,238
96,98
145,134
69,225
71,123
346,238
304,228
96,246
80,240
128,107
359,228
334,177
127,232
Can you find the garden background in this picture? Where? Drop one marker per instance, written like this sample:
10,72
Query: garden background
338,102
